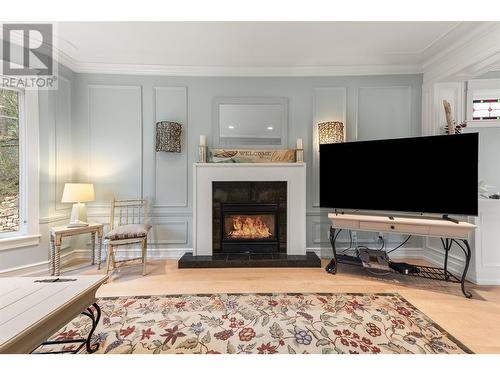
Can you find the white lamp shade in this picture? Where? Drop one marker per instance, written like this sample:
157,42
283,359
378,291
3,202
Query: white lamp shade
78,193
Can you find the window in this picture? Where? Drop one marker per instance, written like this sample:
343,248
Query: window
486,109
10,163
483,103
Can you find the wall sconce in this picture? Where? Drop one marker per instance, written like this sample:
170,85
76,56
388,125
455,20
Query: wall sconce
168,136
331,132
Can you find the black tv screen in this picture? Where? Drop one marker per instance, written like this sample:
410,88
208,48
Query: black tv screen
436,174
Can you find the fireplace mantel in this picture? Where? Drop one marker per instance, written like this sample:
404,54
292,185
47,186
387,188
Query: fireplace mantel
206,173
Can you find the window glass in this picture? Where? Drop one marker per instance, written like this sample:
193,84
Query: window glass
9,161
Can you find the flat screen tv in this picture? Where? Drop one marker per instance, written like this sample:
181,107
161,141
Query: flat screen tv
436,174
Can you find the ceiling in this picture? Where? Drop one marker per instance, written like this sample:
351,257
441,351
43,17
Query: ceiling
403,46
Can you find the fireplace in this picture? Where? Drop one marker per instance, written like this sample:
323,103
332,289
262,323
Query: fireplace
249,217
248,227
269,197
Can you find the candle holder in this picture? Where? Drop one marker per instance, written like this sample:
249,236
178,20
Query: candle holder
299,155
202,154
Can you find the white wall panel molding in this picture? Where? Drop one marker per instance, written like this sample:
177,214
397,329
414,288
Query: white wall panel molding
166,229
104,210
115,141
170,104
170,232
59,217
384,112
62,142
485,263
329,104
320,229
428,127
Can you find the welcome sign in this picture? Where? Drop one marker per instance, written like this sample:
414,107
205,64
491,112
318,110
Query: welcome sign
251,156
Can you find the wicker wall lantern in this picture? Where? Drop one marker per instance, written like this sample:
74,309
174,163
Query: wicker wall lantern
168,136
331,132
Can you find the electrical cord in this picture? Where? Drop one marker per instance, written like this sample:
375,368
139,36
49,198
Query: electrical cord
401,244
367,248
350,243
337,234
383,243
378,273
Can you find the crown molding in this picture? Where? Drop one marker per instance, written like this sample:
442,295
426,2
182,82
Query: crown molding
246,71
476,52
235,71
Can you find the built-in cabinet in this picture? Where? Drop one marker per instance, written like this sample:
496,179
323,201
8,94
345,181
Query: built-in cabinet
485,262
485,241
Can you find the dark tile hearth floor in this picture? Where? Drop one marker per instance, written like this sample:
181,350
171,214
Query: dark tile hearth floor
188,260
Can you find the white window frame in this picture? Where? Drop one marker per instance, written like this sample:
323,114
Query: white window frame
481,85
29,228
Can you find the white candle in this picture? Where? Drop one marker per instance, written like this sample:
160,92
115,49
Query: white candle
203,140
299,143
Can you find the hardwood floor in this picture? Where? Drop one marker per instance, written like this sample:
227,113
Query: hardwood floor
472,321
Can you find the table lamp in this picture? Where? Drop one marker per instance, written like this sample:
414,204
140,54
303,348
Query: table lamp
78,194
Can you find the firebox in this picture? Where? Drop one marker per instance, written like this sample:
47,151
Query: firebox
249,217
248,227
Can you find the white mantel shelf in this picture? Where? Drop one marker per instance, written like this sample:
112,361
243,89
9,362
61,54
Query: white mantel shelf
204,174
250,165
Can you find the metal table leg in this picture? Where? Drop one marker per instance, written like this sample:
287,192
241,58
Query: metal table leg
95,317
95,320
332,266
466,249
447,246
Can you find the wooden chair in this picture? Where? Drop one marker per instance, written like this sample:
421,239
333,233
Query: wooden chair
127,226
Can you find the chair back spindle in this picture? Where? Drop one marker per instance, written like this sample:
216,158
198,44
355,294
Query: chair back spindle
128,211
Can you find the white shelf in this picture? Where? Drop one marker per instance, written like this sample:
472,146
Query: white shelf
252,165
405,225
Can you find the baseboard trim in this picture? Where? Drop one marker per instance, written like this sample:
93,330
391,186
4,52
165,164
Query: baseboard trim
39,268
435,256
67,257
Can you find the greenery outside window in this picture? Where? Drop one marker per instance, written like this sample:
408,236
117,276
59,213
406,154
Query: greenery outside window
11,210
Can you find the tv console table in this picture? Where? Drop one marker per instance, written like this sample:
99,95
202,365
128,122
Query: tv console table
448,231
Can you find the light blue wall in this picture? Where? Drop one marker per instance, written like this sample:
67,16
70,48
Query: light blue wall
114,118
55,140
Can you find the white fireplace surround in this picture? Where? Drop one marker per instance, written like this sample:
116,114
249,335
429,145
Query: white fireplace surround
206,173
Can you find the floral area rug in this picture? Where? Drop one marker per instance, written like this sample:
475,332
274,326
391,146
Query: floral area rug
297,323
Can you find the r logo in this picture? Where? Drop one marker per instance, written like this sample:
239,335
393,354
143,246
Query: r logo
27,50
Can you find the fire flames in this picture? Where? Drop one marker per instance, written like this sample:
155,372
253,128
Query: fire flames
248,227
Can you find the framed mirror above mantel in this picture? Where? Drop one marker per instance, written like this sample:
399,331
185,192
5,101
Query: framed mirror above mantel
250,122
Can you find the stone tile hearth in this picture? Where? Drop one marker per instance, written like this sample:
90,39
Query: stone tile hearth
188,260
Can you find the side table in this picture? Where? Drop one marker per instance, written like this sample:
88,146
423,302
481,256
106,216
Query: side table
58,233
